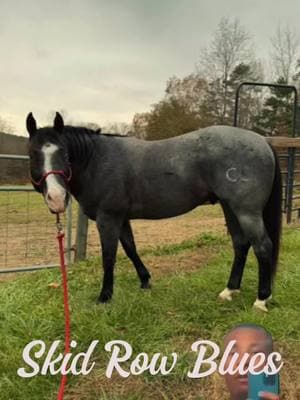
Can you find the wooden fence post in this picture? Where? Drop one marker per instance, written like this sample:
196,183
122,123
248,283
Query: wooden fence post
81,235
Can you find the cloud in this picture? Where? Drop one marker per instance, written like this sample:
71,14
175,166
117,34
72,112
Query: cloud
105,60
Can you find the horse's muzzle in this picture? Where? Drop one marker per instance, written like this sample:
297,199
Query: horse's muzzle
57,202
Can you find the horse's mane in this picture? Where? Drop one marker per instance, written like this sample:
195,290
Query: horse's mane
81,141
88,131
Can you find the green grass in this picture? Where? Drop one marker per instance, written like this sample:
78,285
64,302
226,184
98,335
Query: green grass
19,208
180,308
15,207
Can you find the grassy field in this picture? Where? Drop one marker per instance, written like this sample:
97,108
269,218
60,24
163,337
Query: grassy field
181,307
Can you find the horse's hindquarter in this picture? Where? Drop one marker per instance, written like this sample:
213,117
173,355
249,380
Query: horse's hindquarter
239,165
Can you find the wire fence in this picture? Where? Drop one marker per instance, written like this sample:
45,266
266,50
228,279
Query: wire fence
295,189
27,230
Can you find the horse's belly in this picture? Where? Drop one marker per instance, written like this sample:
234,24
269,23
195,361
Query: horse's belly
151,213
166,206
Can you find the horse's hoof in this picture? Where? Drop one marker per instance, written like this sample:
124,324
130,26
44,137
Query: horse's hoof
104,298
146,285
226,294
261,304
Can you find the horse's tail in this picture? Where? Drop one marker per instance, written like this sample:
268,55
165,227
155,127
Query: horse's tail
272,214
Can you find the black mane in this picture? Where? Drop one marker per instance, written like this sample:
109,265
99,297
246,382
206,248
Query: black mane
80,142
88,131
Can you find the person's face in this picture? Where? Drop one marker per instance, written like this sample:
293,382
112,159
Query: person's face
248,340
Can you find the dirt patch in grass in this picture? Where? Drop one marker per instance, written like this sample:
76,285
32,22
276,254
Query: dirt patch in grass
175,230
97,385
290,373
185,261
29,239
150,233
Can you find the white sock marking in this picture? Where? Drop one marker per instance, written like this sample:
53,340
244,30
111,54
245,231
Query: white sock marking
262,304
226,294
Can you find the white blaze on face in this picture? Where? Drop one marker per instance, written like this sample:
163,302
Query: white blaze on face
55,193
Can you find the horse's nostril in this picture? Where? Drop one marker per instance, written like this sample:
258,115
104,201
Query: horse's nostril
49,197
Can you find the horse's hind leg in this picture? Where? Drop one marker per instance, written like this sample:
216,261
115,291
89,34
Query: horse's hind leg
241,247
254,229
127,241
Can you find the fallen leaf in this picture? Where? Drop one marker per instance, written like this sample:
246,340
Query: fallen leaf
54,285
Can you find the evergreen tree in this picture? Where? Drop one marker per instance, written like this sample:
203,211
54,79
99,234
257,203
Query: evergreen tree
276,116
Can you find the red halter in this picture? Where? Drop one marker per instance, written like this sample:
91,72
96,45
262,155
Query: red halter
54,172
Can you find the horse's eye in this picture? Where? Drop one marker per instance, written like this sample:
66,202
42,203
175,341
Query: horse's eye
36,154
35,174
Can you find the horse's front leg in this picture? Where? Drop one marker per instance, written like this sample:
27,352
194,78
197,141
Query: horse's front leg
127,241
109,227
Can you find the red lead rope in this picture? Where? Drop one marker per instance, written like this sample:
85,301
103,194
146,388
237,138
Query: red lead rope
60,238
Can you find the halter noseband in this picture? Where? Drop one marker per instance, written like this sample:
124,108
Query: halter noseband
53,172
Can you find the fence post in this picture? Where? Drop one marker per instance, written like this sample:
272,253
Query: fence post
69,232
81,235
290,184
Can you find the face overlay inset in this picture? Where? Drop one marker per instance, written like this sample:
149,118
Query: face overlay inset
248,340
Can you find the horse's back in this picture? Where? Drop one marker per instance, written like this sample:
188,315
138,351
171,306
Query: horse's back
230,162
218,144
219,137
168,177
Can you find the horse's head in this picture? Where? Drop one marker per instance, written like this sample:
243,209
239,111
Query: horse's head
49,165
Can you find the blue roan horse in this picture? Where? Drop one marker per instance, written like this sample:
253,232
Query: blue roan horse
116,179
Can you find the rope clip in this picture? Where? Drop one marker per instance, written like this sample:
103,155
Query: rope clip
59,225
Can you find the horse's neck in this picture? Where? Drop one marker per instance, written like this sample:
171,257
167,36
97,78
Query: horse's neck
80,148
81,151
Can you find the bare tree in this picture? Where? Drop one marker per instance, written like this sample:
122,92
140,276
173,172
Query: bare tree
231,45
63,112
91,125
188,90
5,127
119,128
139,125
285,53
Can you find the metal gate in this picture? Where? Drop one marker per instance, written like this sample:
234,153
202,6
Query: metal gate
288,175
27,230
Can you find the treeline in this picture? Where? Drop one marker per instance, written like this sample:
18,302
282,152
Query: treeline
207,96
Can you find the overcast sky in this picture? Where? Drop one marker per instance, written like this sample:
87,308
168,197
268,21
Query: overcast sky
105,60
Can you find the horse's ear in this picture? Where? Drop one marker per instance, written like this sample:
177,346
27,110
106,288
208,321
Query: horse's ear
58,123
31,125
